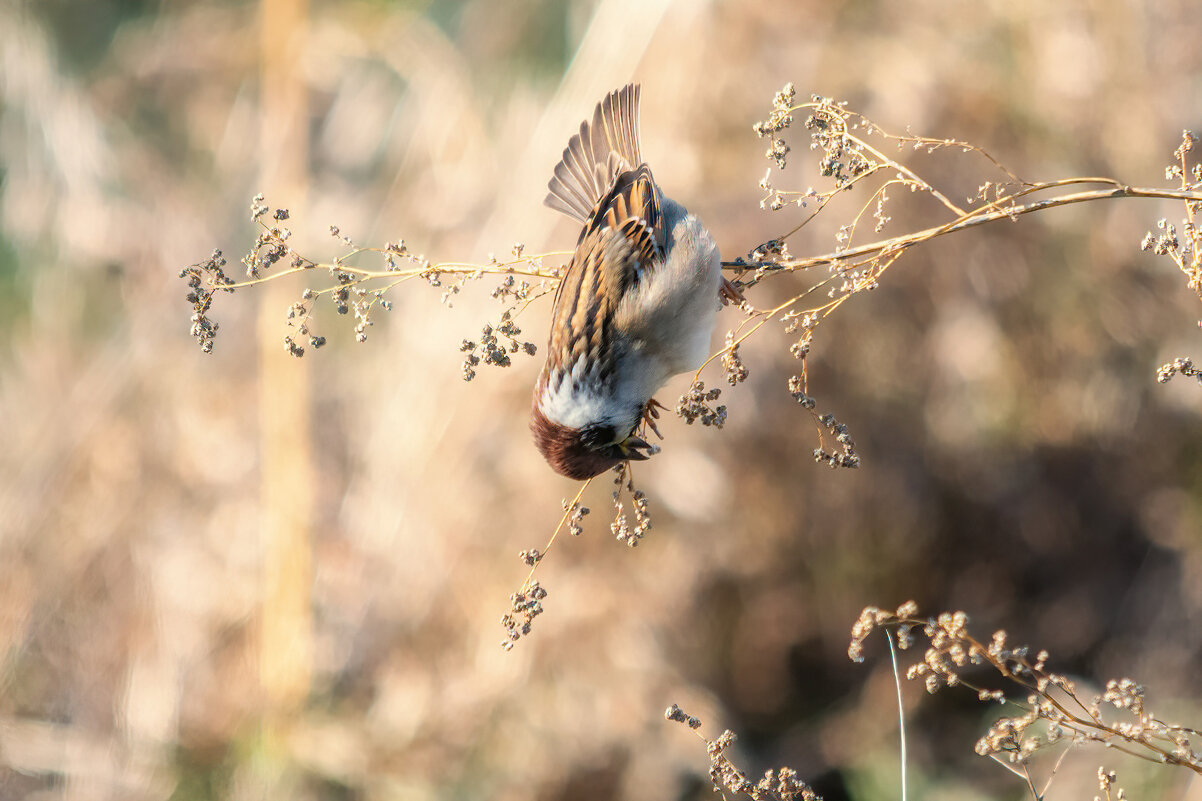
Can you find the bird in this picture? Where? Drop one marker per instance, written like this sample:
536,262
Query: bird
635,306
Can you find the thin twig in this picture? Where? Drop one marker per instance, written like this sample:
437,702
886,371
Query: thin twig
562,520
980,218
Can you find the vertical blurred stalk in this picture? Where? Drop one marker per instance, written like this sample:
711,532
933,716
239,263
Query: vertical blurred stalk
284,397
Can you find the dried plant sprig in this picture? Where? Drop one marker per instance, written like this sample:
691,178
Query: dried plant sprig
358,289
517,620
1182,365
497,341
695,406
845,455
526,603
848,158
732,363
620,527
1107,783
204,279
1064,714
1185,250
853,154
781,784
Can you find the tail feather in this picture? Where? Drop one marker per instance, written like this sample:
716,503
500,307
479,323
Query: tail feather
597,154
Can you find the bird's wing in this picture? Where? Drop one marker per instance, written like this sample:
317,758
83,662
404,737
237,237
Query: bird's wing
596,156
620,244
582,319
602,182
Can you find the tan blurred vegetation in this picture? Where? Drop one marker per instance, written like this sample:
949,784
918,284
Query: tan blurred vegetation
1019,460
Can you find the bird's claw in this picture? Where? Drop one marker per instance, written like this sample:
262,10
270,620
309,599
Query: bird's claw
651,414
730,293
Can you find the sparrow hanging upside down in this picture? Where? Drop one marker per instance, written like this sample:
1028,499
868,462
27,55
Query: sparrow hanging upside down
636,305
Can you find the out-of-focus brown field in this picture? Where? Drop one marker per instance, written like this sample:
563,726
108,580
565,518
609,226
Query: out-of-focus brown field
241,575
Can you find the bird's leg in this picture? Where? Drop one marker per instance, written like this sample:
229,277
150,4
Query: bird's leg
651,414
730,293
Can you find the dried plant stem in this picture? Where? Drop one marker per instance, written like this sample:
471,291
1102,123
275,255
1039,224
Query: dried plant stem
527,603
1091,721
399,276
1055,770
987,214
567,513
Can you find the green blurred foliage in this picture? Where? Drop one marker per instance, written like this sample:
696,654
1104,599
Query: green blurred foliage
84,31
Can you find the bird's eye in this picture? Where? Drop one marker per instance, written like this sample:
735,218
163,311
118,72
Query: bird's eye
595,437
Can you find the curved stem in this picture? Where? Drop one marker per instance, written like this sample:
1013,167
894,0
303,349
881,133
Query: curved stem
998,213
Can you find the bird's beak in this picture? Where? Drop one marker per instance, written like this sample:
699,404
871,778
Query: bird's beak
634,448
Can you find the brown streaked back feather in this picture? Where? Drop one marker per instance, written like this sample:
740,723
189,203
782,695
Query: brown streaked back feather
632,207
602,268
596,156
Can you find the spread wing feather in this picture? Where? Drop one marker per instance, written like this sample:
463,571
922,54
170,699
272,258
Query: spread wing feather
597,154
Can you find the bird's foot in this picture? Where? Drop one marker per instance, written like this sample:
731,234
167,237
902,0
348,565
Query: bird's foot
730,293
651,414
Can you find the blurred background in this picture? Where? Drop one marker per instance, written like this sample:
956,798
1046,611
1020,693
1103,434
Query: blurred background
243,575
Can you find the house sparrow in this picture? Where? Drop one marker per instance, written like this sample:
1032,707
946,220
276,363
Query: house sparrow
636,305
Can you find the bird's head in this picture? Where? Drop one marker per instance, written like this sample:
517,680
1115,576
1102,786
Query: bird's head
585,451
